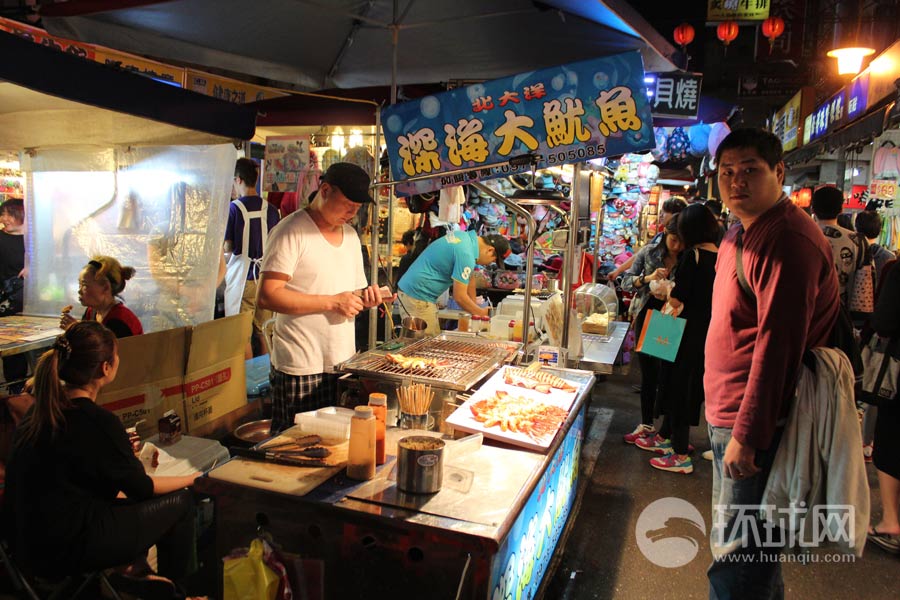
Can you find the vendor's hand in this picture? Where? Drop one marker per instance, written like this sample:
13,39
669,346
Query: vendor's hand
66,320
347,304
658,275
371,296
738,462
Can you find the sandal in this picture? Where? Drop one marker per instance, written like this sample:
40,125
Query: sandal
888,542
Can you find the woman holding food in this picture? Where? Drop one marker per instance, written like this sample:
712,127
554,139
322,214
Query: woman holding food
77,499
652,263
681,382
99,285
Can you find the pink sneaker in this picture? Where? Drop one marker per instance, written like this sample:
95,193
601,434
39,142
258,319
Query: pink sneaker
655,444
676,463
641,431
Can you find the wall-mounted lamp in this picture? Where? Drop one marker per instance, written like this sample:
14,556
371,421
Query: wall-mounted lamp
850,59
846,46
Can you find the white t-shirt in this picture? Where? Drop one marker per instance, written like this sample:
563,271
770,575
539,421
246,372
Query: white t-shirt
312,344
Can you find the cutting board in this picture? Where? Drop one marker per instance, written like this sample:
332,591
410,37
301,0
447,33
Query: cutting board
284,479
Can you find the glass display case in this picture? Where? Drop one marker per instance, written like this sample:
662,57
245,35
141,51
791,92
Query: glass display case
596,306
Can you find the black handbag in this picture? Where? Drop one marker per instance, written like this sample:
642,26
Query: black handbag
12,292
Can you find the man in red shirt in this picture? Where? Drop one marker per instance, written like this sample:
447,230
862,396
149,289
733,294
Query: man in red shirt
754,349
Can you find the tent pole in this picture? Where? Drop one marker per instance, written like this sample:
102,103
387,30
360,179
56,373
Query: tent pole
395,35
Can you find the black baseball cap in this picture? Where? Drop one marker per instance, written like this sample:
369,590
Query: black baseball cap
500,245
351,180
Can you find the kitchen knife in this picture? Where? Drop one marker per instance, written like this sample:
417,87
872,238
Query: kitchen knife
275,458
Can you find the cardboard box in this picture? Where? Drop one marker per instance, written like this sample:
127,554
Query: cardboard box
150,379
215,373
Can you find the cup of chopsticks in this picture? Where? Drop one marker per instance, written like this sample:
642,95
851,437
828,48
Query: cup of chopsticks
415,400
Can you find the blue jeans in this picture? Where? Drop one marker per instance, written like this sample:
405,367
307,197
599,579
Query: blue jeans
741,568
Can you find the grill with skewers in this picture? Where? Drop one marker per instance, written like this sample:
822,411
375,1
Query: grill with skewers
451,362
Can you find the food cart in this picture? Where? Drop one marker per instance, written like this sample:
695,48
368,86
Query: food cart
489,532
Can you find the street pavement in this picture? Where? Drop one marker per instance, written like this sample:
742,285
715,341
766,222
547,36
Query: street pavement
601,558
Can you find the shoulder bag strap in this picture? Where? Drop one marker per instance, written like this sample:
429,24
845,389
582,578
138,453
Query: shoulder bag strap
739,265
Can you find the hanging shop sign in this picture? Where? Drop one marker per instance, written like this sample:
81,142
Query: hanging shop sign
857,198
826,118
565,114
230,90
737,10
857,95
787,122
286,158
675,94
134,64
789,45
757,85
39,36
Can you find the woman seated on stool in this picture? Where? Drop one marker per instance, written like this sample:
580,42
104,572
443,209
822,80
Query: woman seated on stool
63,511
99,285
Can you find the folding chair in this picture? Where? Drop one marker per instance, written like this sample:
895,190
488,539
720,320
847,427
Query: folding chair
59,590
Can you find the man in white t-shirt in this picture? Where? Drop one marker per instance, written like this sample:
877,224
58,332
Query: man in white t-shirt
312,277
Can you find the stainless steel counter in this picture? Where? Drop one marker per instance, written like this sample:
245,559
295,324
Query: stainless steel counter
600,351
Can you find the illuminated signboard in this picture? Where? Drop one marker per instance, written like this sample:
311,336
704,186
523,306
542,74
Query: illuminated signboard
857,95
675,94
523,558
565,114
737,10
827,117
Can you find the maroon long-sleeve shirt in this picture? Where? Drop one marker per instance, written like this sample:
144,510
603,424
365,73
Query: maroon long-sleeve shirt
754,346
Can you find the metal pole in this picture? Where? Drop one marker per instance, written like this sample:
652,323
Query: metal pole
531,227
578,192
598,226
373,255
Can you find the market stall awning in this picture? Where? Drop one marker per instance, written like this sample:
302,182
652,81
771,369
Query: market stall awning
347,43
49,98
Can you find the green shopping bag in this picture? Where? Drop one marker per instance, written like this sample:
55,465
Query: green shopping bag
661,335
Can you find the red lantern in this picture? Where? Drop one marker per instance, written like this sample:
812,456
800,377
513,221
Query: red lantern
684,35
772,28
727,31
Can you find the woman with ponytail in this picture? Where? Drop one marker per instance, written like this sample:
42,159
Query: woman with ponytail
100,284
71,465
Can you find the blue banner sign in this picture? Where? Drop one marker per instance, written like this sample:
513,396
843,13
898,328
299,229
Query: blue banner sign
565,114
826,118
857,95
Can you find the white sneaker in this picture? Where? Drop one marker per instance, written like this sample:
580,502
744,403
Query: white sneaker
640,431
708,455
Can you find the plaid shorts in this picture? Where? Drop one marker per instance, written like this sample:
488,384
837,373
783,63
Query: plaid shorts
292,394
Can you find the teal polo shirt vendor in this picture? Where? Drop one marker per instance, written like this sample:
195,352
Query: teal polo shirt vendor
448,261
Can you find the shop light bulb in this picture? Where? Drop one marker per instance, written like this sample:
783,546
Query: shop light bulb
337,142
850,59
355,139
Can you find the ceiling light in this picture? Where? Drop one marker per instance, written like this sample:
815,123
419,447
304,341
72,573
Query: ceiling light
850,59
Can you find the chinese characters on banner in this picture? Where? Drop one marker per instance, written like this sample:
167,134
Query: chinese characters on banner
827,117
565,114
286,157
675,94
737,10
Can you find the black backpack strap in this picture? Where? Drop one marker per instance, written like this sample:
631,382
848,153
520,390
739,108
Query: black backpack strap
739,264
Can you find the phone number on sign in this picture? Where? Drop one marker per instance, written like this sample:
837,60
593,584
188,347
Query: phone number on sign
585,152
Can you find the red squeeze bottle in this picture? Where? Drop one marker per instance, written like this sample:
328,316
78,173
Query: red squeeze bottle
378,402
